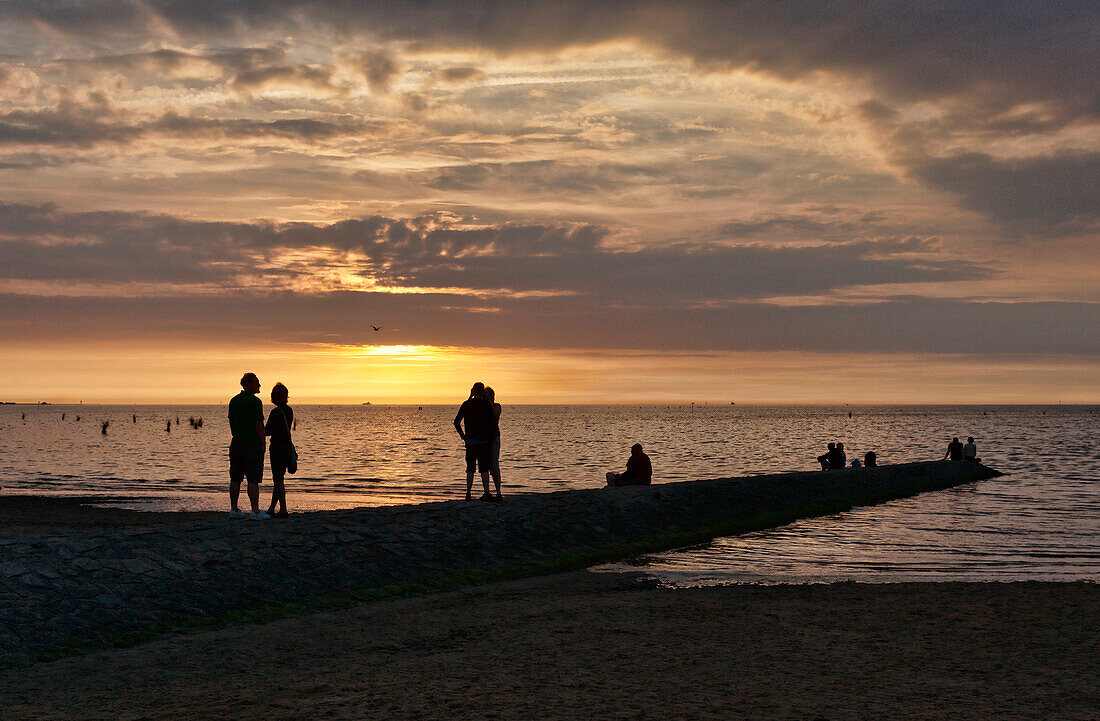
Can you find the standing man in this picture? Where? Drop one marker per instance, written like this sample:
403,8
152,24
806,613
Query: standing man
246,451
478,436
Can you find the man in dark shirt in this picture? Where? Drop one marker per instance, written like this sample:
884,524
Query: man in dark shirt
639,470
955,450
246,451
480,423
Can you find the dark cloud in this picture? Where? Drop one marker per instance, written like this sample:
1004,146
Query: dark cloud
1044,195
174,62
907,325
42,242
84,124
378,67
1009,53
459,74
315,77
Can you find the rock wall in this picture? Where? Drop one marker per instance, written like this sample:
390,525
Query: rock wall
67,592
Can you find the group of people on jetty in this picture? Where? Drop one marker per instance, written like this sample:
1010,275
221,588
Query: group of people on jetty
835,457
477,423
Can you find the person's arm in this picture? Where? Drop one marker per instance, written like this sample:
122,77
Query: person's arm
945,455
270,421
458,424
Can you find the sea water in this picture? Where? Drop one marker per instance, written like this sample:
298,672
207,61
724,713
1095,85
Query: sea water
1040,521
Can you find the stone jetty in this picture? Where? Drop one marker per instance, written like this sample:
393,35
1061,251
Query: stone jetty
66,592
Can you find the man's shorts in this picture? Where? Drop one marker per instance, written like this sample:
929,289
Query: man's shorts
246,460
477,457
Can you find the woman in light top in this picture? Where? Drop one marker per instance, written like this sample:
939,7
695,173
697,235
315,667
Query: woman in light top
494,452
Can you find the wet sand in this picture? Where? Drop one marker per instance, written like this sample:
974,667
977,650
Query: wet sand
40,515
583,645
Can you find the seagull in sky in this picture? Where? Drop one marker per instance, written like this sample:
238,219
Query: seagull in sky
376,328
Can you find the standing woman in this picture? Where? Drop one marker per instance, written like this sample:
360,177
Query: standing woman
494,448
279,423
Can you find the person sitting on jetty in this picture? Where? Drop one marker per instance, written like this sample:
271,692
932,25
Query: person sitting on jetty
478,436
970,450
639,471
870,459
954,449
825,459
841,457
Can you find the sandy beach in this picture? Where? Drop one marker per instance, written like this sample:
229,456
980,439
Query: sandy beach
585,645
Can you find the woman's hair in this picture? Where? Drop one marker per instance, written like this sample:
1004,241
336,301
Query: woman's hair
478,389
490,394
279,393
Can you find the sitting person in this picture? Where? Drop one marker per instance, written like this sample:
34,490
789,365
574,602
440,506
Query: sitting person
970,450
826,458
856,463
954,449
870,460
639,471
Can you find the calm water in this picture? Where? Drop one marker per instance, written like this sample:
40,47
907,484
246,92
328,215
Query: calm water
1042,521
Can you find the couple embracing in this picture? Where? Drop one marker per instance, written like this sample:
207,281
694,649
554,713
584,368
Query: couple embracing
247,450
481,415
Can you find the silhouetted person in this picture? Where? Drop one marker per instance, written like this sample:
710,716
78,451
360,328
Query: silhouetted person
246,451
478,417
841,456
955,450
970,450
494,445
284,457
103,427
639,471
870,460
826,459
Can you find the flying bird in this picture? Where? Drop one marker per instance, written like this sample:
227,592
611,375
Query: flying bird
376,327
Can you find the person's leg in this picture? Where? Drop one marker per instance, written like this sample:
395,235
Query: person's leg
254,473
471,467
236,475
234,493
483,468
278,487
494,464
254,496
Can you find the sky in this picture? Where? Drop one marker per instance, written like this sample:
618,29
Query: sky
575,202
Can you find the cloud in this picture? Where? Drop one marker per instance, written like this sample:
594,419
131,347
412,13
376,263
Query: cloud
1008,53
184,63
301,77
97,120
461,74
446,252
379,67
1047,195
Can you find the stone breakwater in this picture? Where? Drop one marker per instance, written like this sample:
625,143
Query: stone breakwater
79,589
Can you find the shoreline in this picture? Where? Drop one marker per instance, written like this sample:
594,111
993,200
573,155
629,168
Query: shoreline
591,645
68,591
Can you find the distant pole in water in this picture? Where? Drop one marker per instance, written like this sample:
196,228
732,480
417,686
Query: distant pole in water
135,418
78,418
24,416
849,414
168,428
62,416
103,427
